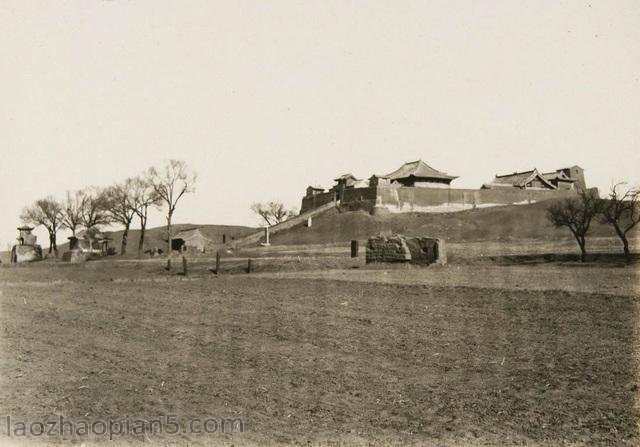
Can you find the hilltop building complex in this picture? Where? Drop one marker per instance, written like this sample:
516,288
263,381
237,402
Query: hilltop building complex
417,187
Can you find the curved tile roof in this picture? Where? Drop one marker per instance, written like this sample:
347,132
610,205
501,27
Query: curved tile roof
418,168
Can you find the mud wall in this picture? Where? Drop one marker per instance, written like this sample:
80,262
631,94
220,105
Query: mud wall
402,200
428,200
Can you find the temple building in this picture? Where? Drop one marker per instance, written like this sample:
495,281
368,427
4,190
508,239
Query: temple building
532,179
577,173
418,174
560,179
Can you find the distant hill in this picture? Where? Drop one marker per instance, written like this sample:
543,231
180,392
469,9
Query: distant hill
502,223
156,237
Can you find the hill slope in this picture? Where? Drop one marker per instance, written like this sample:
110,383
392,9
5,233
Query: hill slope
503,223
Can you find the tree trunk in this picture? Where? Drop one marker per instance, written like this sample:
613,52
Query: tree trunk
169,240
125,239
583,248
625,245
53,247
625,242
143,229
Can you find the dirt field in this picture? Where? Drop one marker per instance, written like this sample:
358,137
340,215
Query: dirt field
364,356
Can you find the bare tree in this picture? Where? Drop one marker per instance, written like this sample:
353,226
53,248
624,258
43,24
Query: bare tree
94,208
576,213
170,183
144,195
272,212
45,212
71,216
120,207
622,211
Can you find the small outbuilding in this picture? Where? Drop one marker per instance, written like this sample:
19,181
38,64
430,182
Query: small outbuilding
191,239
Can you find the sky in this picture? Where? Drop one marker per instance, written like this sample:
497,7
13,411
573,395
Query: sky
263,98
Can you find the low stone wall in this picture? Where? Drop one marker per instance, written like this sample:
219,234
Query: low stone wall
398,248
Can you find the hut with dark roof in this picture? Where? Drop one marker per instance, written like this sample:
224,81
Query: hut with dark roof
191,239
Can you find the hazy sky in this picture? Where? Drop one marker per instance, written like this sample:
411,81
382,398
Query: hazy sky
263,98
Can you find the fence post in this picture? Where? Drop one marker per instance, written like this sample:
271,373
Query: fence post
185,271
217,262
354,249
249,266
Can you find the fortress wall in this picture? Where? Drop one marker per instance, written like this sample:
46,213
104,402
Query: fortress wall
310,203
405,199
359,198
259,235
428,200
